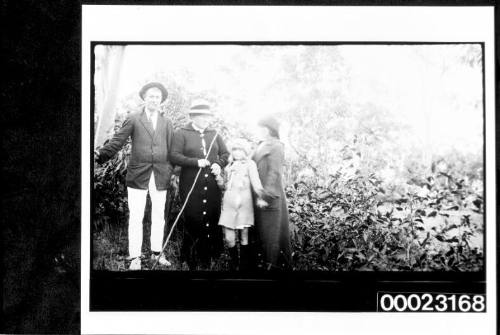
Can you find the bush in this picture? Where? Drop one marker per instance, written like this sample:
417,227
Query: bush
348,224
110,193
350,220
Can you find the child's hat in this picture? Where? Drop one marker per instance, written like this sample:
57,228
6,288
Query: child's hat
241,144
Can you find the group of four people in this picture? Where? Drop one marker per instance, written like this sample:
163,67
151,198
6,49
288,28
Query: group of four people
251,182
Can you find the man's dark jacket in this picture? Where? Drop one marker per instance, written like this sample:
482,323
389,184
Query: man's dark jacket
150,149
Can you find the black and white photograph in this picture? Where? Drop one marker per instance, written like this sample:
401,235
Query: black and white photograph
354,157
305,171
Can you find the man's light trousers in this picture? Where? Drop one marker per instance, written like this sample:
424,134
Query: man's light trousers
136,206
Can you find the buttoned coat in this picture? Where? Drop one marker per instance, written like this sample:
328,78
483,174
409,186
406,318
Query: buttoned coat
202,237
149,152
271,222
237,206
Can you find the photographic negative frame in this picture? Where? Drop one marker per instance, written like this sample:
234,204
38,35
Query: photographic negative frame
103,292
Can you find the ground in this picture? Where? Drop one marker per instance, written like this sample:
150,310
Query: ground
110,251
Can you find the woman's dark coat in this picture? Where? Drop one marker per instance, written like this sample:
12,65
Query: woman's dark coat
202,237
271,222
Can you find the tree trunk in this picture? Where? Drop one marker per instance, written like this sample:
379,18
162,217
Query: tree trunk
111,70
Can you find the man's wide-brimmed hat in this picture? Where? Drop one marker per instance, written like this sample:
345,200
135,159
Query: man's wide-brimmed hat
200,106
145,88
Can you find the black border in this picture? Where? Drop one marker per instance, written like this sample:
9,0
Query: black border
299,3
292,291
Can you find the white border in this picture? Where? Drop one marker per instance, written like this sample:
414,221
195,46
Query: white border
203,23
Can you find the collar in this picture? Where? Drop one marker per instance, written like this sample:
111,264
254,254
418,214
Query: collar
197,129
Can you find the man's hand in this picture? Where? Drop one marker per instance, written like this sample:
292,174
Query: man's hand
203,162
96,156
262,203
216,170
174,182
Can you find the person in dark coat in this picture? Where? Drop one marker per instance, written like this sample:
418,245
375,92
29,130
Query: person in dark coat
202,236
148,170
271,219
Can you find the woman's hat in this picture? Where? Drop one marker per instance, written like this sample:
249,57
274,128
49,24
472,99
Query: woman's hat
145,88
200,106
271,123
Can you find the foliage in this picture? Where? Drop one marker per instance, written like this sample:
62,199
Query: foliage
109,195
347,225
349,220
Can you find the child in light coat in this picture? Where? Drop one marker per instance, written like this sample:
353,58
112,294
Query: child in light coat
237,214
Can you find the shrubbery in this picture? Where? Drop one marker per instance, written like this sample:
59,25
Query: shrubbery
351,221
348,224
110,191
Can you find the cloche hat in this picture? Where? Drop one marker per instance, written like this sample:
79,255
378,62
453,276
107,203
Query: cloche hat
271,123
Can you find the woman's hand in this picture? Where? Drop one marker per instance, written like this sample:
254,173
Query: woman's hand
262,203
203,162
216,170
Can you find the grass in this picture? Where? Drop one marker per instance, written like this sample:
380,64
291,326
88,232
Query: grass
110,251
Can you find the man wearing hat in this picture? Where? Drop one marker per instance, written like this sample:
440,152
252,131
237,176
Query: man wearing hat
148,169
202,237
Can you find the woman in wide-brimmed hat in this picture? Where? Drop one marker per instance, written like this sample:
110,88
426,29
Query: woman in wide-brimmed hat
202,236
271,221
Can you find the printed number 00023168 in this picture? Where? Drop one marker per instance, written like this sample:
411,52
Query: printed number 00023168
430,302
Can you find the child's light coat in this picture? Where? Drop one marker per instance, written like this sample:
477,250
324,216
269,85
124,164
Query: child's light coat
237,209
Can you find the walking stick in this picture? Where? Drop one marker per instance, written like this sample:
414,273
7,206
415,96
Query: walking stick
185,203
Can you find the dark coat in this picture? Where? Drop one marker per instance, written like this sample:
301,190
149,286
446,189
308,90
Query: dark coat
202,236
149,150
271,222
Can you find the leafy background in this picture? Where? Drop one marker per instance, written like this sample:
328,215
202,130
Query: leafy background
384,148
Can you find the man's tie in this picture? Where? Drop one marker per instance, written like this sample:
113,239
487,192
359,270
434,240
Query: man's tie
152,119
